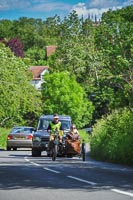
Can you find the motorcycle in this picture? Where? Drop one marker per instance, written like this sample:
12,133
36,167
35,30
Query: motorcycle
65,148
56,146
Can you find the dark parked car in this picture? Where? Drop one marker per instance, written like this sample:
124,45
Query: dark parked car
20,137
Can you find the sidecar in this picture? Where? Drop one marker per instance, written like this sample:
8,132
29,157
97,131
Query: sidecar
75,148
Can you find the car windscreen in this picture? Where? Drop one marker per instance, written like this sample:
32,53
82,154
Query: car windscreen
22,129
15,130
66,124
44,123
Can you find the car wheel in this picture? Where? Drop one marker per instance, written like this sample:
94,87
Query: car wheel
36,152
8,148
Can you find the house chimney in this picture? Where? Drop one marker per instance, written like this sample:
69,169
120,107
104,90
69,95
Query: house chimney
50,50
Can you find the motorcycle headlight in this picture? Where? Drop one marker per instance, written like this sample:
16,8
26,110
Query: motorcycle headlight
36,138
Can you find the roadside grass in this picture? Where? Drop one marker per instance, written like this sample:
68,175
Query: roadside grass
3,137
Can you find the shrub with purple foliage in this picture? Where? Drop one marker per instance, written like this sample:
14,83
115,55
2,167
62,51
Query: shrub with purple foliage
16,47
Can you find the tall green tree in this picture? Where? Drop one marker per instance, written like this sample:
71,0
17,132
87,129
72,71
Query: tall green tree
77,54
114,38
20,103
6,28
99,56
62,94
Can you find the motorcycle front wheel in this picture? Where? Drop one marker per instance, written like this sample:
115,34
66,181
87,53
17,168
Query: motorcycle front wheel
55,151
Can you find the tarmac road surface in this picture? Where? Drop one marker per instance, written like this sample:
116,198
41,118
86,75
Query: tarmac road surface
23,177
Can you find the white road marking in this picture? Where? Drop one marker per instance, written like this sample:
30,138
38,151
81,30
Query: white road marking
122,192
51,170
33,163
27,159
78,179
82,180
40,165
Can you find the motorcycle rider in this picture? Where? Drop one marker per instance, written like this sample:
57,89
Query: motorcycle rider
55,125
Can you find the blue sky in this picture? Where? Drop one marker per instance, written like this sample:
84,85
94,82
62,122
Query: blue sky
14,9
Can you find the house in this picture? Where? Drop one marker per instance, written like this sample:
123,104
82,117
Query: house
38,73
50,50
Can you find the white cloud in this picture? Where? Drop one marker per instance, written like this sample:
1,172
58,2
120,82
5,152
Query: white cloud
98,7
81,9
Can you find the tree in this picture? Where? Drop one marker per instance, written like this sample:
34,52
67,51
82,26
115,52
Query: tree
99,56
16,47
62,94
36,56
18,98
114,39
5,28
77,54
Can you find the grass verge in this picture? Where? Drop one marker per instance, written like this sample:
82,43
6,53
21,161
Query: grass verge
3,137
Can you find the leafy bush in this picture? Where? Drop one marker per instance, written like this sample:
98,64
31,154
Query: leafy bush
112,138
84,136
3,137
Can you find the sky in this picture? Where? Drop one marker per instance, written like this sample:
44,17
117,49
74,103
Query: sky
42,9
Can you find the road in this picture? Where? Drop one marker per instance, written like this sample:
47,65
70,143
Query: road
24,177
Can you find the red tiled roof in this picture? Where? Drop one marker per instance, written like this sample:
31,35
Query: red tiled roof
37,70
50,50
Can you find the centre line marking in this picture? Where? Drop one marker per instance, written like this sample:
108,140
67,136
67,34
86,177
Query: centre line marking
51,170
122,192
35,163
82,180
27,159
